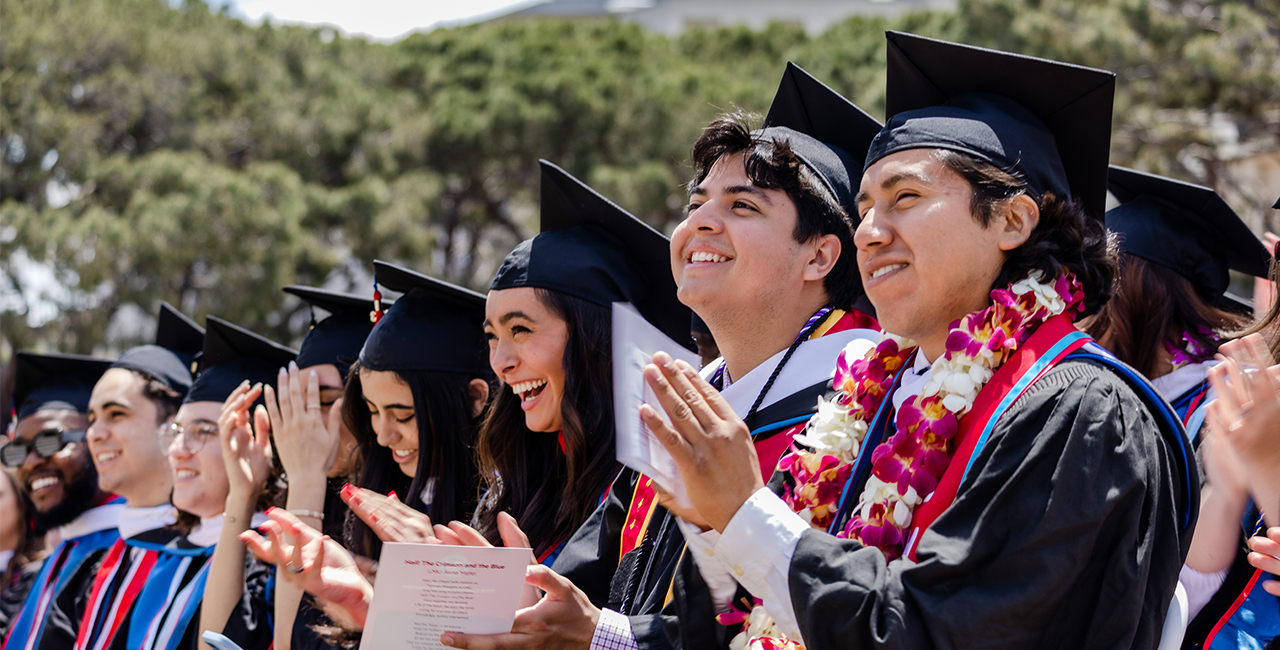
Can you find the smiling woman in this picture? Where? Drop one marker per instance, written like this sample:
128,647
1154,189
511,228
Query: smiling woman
414,398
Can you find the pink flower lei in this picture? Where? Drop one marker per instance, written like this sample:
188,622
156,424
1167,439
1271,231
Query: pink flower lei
907,467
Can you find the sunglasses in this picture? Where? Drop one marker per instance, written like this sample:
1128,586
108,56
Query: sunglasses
45,444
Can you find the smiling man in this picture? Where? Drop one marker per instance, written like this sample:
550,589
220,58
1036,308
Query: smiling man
1016,487
54,466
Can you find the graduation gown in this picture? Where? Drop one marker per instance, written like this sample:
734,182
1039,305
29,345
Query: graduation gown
1064,535
50,615
147,595
655,583
14,591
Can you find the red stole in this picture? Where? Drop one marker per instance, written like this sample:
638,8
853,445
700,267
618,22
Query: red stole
1009,381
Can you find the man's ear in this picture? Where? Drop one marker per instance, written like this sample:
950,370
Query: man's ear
826,250
1021,216
478,389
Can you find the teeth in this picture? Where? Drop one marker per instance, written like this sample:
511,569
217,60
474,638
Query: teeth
43,482
701,256
523,388
885,269
185,473
403,453
106,456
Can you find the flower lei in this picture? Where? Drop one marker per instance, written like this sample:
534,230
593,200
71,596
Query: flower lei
906,468
1193,349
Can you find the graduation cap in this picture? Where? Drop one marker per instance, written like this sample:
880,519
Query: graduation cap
433,326
1184,227
176,332
828,132
231,355
591,249
1048,121
170,360
55,381
337,339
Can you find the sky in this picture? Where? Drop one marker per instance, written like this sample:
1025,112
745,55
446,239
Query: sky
384,20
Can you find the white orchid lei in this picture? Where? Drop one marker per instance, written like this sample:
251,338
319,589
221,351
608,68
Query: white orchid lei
906,468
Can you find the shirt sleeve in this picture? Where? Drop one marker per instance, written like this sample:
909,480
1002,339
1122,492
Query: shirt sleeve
1200,587
756,549
613,632
719,581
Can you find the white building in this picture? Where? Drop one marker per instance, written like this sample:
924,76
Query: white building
674,16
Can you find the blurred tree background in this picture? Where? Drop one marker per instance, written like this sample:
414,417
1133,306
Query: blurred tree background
150,152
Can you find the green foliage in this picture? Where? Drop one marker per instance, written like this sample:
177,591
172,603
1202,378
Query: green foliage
150,152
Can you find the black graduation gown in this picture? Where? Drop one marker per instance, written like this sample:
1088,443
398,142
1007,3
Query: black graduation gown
1064,535
14,593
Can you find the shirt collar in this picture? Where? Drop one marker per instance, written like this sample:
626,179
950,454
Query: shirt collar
96,519
134,521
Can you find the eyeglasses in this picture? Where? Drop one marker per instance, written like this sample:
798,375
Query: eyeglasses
46,443
192,437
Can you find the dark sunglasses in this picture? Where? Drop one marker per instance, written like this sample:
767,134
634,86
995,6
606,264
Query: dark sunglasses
46,443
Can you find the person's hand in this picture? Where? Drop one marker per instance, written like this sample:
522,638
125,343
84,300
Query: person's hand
388,518
1266,556
564,618
306,443
1246,410
460,534
688,514
1224,471
314,563
711,445
246,449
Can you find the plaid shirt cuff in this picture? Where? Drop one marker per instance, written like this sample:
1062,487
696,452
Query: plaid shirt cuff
613,632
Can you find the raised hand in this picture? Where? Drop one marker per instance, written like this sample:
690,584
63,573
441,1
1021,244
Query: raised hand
314,563
1245,414
246,449
306,443
711,445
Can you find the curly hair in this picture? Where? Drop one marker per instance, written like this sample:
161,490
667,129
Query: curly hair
773,165
1066,239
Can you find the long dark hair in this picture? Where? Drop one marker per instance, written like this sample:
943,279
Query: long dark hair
1153,306
442,405
31,543
552,492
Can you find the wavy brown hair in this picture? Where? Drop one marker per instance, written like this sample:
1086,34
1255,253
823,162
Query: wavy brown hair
1066,239
1153,306
552,492
31,543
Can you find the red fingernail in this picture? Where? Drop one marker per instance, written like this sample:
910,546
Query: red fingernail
346,489
270,509
392,494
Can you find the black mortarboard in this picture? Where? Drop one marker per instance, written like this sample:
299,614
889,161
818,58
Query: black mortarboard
824,129
433,326
1276,206
338,338
55,381
594,250
1046,120
169,361
1184,227
174,331
231,355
